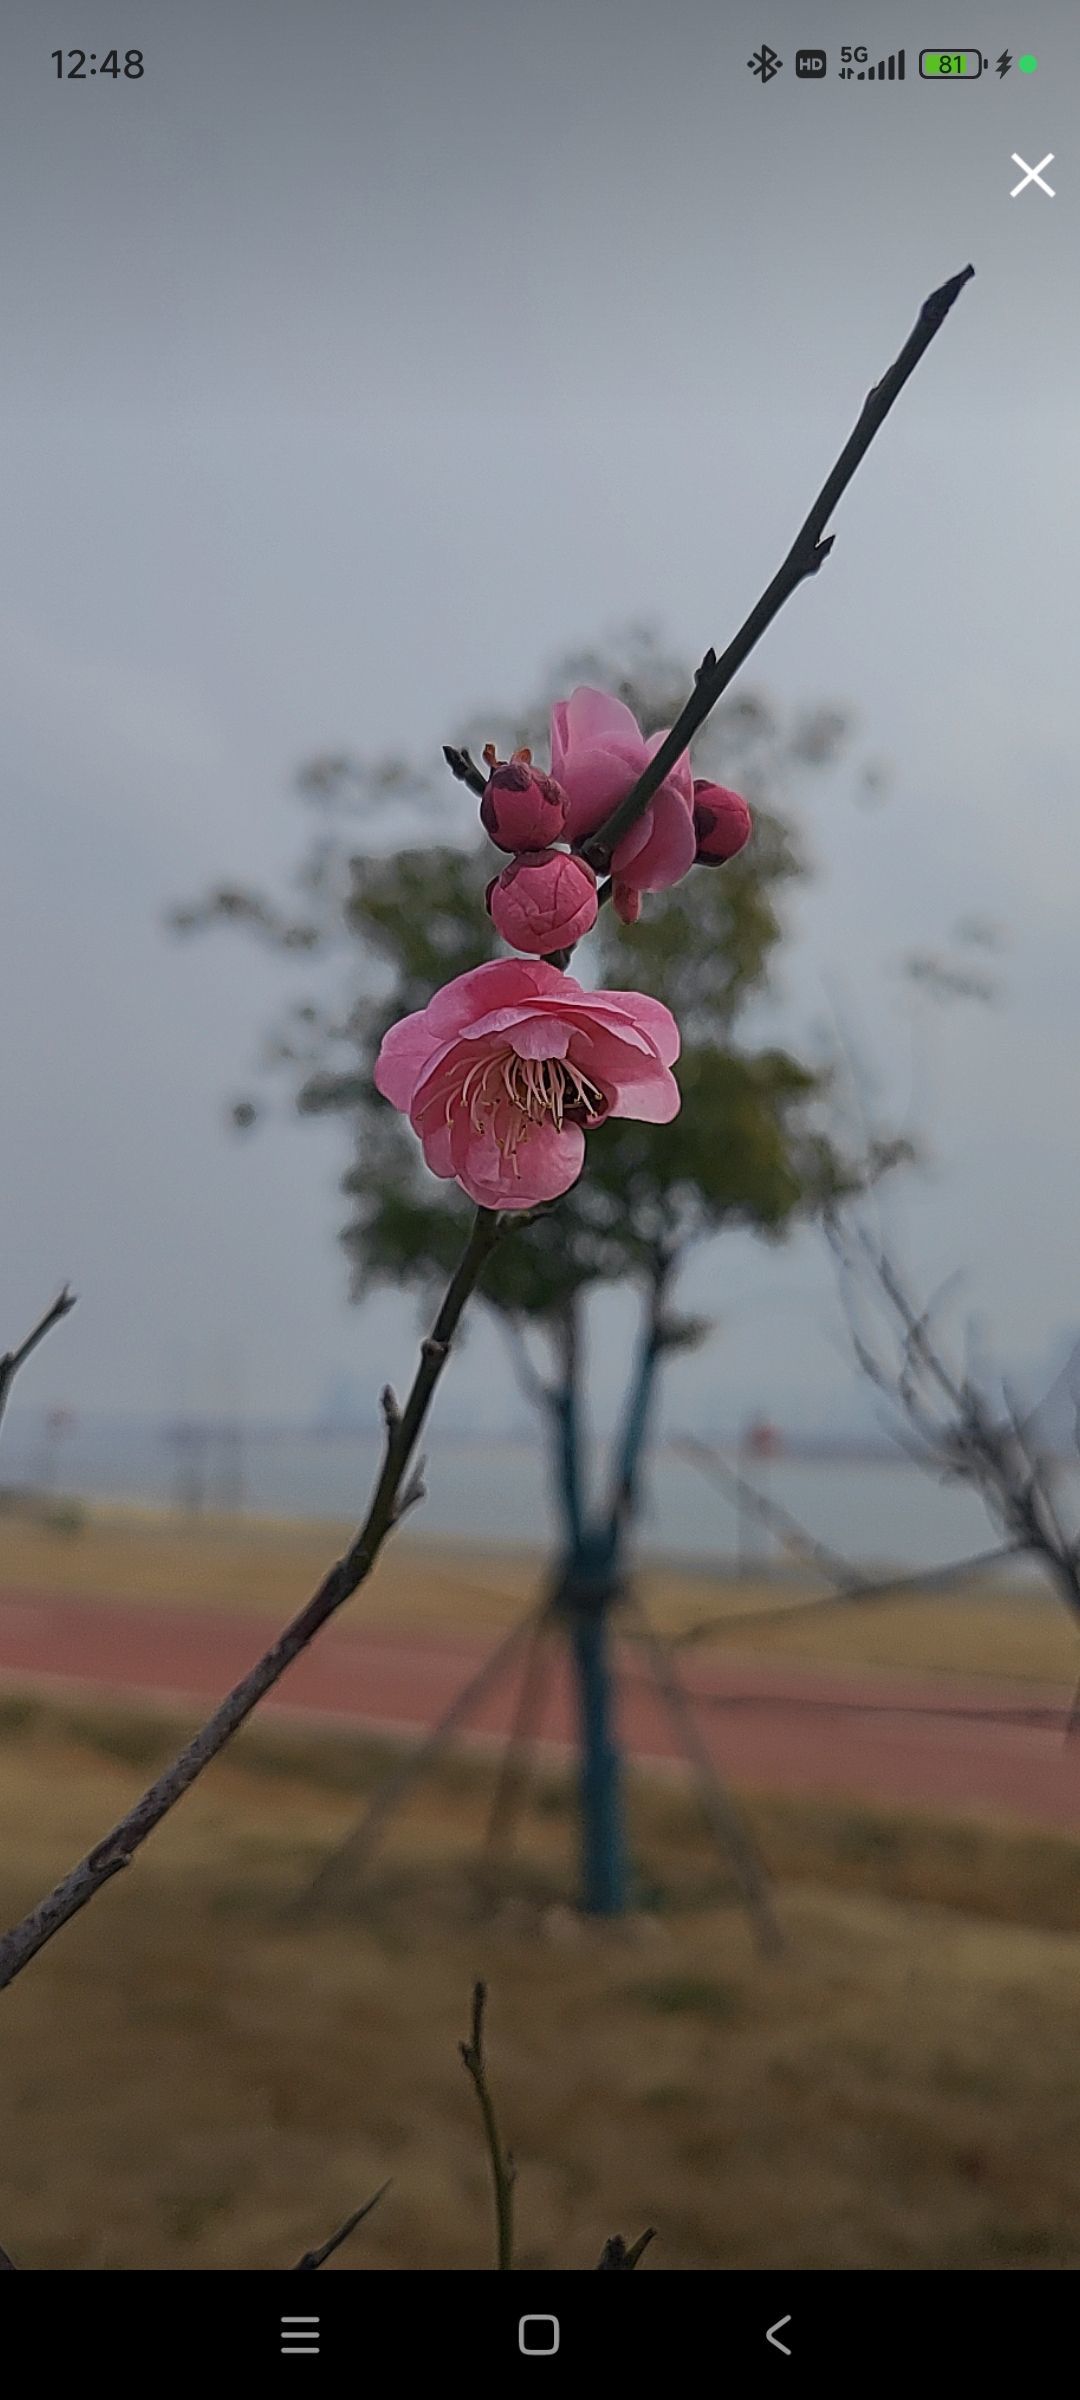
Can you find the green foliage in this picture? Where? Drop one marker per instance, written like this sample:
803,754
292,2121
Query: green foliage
746,1149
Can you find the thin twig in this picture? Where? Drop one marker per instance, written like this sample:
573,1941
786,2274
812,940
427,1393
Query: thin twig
850,1584
465,769
317,2258
808,552
855,1595
12,1360
117,1849
769,1512
617,2253
502,2165
959,1426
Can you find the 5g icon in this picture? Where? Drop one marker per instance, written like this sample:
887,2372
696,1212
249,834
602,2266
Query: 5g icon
811,64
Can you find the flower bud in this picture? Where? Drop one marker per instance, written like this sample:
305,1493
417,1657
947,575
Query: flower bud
545,901
626,901
722,823
521,808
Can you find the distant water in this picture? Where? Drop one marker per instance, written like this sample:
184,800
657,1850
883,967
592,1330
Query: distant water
874,1514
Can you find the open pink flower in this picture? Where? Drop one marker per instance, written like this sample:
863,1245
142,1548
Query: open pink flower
505,1070
598,751
544,901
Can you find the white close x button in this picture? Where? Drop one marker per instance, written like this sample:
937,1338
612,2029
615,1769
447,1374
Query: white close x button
1032,175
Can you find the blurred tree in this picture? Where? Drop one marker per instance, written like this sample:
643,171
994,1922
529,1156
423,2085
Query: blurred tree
383,886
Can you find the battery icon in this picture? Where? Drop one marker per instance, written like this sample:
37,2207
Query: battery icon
951,65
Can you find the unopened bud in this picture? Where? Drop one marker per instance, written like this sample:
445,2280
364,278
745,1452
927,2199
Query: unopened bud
722,823
543,902
523,809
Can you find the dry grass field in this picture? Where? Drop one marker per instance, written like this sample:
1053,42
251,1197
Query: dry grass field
191,2078
264,1566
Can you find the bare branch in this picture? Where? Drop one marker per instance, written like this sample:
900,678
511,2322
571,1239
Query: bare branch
12,1360
858,1595
412,1492
318,2258
118,1848
502,2165
960,1427
769,1512
808,552
617,2253
465,768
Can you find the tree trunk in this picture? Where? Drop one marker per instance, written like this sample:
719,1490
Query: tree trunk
603,1840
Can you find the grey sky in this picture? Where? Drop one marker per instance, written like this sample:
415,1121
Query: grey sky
355,361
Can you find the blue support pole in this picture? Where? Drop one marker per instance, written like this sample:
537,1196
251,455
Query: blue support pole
588,1617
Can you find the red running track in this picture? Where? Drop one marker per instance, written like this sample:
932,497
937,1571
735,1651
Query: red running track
930,1741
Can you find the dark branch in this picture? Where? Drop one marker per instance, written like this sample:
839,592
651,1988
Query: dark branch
502,2165
770,1513
118,1848
12,1360
618,2253
318,2258
465,769
807,553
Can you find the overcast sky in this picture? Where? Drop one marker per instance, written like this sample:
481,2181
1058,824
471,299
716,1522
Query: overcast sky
358,359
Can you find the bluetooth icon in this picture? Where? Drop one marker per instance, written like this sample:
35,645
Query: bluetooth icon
765,63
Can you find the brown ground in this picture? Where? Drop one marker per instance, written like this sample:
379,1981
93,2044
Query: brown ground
189,2079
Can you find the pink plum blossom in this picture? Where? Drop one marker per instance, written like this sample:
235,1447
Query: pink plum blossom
505,1070
722,823
598,751
544,901
626,901
521,808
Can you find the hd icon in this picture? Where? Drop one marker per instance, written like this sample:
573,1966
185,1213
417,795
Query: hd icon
810,63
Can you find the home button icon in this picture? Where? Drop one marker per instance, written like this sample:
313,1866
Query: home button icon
538,2337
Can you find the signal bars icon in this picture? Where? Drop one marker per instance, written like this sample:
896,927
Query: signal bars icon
887,70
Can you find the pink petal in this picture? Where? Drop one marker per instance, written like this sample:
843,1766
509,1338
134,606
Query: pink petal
633,1085
547,1163
668,854
541,1037
446,1073
595,780
502,982
639,833
592,719
681,778
438,1150
647,1019
404,1057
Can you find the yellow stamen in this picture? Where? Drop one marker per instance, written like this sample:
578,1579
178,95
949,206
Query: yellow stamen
509,1097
